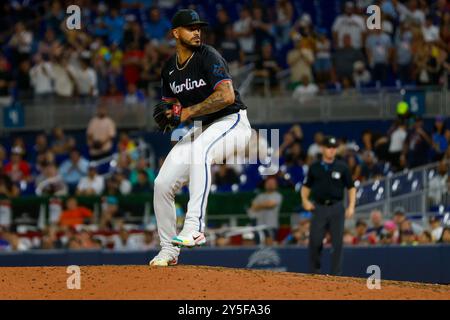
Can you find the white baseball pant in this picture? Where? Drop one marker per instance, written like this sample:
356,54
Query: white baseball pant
190,161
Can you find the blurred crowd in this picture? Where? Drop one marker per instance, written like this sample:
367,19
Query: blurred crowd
390,228
407,144
56,164
53,237
410,48
378,230
74,229
75,226
118,54
54,167
119,51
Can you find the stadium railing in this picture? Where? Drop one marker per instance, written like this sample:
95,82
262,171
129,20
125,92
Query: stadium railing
223,208
372,104
228,232
408,191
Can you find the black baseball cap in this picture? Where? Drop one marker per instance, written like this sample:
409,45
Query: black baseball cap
187,17
329,142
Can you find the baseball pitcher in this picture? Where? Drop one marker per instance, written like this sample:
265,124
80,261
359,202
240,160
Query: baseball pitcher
196,87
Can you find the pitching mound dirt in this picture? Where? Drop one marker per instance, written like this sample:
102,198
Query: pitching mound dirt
198,282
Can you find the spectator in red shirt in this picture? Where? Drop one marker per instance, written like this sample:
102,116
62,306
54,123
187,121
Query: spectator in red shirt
74,214
348,238
132,63
362,237
17,169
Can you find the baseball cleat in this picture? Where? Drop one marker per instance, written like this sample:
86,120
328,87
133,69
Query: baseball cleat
163,262
189,240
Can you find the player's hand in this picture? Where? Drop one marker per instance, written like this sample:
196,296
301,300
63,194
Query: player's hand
184,115
167,115
349,212
308,205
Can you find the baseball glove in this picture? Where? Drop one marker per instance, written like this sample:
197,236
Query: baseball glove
164,122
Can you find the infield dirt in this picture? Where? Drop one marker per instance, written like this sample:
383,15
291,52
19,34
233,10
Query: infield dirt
199,282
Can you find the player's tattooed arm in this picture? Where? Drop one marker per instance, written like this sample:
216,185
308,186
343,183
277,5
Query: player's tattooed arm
223,96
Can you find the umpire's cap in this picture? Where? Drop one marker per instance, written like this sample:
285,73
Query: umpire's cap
186,17
329,142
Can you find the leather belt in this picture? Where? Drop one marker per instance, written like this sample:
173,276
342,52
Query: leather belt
328,202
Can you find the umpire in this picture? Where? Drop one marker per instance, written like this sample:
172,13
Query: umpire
325,183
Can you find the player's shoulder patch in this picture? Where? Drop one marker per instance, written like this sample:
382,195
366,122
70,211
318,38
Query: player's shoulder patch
216,61
219,70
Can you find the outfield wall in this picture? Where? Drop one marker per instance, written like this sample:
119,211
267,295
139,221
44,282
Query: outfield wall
429,264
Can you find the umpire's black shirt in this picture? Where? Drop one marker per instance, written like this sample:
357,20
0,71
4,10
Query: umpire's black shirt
196,80
328,180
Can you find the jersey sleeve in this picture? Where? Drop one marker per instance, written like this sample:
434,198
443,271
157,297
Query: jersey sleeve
216,69
166,92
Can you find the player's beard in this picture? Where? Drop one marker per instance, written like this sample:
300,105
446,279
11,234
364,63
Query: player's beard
189,45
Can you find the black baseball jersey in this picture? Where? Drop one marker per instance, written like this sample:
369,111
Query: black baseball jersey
328,180
196,80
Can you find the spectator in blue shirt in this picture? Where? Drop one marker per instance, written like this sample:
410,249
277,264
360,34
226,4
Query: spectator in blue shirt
134,96
4,245
5,239
157,27
379,50
418,143
61,144
73,169
99,28
133,4
388,8
403,53
115,24
440,143
370,168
